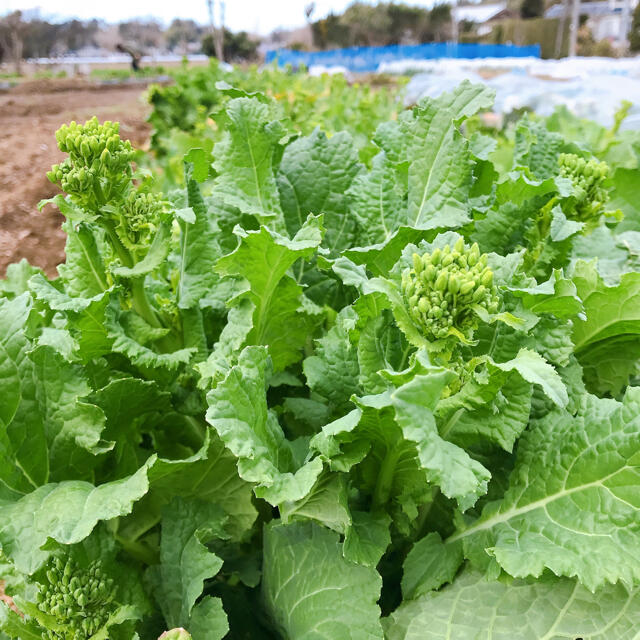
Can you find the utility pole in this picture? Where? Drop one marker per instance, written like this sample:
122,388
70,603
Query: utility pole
624,24
561,25
575,19
454,23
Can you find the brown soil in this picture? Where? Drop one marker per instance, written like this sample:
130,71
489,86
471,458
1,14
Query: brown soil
29,116
5,598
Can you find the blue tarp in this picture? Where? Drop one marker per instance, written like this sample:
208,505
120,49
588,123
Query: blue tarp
369,58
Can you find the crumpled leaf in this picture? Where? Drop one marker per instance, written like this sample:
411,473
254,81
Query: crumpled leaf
238,412
311,591
571,505
551,608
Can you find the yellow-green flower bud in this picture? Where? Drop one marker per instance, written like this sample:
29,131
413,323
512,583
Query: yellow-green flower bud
487,277
441,281
442,287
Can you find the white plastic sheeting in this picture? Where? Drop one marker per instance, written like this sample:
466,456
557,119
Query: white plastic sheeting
591,88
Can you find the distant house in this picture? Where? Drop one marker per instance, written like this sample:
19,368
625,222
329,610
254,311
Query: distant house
603,18
483,15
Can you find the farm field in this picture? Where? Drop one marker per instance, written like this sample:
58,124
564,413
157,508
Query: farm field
29,117
317,365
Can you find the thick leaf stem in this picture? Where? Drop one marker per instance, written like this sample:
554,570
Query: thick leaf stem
542,229
139,296
384,483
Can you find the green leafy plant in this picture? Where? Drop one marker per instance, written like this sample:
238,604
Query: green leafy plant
304,392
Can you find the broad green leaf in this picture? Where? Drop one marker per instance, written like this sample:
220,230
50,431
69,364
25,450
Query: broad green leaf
561,228
610,334
185,561
440,163
72,426
129,404
614,253
625,197
83,273
429,565
138,353
537,148
209,475
447,465
239,413
23,446
59,340
263,258
247,158
16,626
312,592
379,342
493,405
66,512
17,278
367,538
610,311
557,296
89,330
327,503
332,372
59,300
377,202
208,620
388,468
535,369
380,258
572,504
232,339
314,176
549,609
198,248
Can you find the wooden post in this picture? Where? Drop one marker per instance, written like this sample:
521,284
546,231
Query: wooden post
575,20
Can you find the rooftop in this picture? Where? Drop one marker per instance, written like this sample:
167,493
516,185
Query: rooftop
479,13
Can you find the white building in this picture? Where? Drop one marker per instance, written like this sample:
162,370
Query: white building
606,19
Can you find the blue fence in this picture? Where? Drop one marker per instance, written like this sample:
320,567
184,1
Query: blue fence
369,58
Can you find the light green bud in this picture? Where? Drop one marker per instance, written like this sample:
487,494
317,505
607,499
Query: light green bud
467,286
441,281
479,293
487,277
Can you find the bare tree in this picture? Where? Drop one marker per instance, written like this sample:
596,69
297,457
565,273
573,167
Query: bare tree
217,34
12,31
308,11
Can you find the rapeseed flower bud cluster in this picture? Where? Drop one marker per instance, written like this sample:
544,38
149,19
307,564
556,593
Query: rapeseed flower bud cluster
80,599
141,213
587,178
444,286
99,164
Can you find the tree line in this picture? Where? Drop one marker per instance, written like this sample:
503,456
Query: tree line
26,36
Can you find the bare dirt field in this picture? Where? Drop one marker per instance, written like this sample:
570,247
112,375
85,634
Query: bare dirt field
30,113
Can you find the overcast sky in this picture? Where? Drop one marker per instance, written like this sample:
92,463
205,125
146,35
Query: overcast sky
258,16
